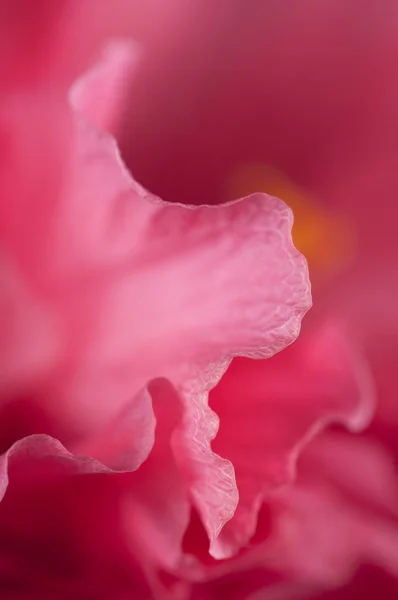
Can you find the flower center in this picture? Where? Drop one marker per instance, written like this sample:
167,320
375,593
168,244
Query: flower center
325,238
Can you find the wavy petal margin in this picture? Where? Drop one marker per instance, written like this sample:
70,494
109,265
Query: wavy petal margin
144,289
269,411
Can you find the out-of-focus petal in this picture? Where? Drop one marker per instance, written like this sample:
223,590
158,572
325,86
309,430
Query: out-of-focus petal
23,319
100,95
126,441
140,289
341,513
61,527
54,42
314,76
125,452
269,411
151,504
157,504
231,283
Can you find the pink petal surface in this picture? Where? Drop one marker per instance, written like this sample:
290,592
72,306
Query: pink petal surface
132,289
50,352
23,317
342,512
101,94
368,583
107,226
61,529
339,511
157,504
57,41
231,283
269,411
132,432
126,441
149,508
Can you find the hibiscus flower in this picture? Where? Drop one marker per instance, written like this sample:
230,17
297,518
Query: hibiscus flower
298,99
137,460
120,313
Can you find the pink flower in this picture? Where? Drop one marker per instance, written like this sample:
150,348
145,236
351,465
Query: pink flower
136,460
298,99
120,313
340,510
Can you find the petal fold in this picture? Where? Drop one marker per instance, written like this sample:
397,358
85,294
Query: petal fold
270,410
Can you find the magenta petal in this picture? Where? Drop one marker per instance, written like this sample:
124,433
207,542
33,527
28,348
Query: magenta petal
269,410
154,506
157,506
141,289
29,334
173,291
123,446
125,443
61,531
342,512
100,95
133,289
166,290
48,457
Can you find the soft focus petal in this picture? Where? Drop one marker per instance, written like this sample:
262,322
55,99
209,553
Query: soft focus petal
127,445
206,249
268,411
157,505
341,513
56,41
61,529
152,506
230,283
127,440
319,93
134,289
108,248
23,318
104,288
101,94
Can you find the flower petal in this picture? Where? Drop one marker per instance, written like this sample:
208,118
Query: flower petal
125,443
124,446
101,93
269,411
152,508
144,290
157,506
62,535
29,334
342,512
231,281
